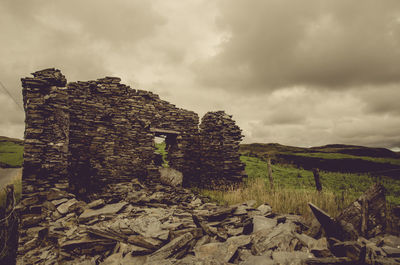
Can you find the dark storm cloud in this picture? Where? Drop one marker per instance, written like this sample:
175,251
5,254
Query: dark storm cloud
74,36
328,44
303,73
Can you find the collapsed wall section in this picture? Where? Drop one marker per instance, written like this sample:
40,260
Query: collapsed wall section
46,131
220,160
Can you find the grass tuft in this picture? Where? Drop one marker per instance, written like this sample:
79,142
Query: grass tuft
283,199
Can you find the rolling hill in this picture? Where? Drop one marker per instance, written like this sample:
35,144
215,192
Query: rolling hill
333,157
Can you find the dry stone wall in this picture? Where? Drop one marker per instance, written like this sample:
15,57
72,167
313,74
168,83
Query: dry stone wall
112,128
46,131
94,133
220,159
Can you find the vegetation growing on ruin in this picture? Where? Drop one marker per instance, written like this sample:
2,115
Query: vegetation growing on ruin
160,149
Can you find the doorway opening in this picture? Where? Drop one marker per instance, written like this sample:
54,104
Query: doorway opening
166,144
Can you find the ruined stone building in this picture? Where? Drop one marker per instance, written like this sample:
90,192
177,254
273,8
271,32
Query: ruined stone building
84,135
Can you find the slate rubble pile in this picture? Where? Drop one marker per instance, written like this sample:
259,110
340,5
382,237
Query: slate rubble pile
220,159
159,224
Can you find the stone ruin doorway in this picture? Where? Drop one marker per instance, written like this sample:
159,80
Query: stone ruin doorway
169,147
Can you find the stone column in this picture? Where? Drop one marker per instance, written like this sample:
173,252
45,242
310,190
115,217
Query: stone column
220,160
46,131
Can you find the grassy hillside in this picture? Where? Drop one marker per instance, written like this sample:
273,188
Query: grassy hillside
337,158
11,152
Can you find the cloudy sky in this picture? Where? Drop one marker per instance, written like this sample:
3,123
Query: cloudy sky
301,73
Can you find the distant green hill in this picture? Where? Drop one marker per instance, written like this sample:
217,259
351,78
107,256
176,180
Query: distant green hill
334,157
11,152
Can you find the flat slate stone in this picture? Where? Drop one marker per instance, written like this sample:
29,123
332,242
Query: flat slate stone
64,208
109,209
261,222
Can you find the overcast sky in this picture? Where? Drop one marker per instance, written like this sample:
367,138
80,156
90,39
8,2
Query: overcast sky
302,73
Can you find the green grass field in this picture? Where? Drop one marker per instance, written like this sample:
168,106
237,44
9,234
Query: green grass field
294,188
288,177
11,154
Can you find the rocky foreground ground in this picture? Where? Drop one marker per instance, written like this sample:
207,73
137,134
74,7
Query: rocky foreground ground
135,223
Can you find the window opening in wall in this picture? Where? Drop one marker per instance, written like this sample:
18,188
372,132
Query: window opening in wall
161,151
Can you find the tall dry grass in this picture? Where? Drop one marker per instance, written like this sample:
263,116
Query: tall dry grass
283,200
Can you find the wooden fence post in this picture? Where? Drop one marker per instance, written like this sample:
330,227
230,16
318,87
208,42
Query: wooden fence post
318,185
9,229
271,180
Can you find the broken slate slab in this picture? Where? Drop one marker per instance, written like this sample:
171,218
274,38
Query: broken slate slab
292,257
264,209
261,222
109,209
338,229
222,252
147,226
392,252
64,208
60,201
96,204
259,260
172,247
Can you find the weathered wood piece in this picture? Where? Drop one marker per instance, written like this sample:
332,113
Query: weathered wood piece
9,233
317,179
368,213
271,180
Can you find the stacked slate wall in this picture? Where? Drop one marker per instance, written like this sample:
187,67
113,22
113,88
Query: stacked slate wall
111,137
220,160
93,133
46,131
183,154
110,140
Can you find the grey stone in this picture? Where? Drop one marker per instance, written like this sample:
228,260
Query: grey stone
241,210
391,241
292,258
170,176
65,207
222,252
60,201
109,209
281,238
259,260
172,247
264,209
147,226
261,222
96,204
392,252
